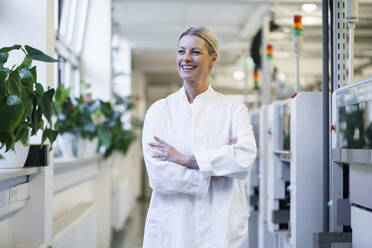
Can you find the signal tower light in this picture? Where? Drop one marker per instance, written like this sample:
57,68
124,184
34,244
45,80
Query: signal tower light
269,51
297,25
255,79
297,44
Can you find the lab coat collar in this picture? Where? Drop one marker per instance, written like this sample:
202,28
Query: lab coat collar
199,98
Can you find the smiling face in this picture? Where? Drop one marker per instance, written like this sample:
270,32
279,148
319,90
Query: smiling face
193,59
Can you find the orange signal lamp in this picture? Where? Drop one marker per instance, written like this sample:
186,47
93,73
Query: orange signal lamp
298,25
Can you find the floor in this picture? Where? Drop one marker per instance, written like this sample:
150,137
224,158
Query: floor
132,234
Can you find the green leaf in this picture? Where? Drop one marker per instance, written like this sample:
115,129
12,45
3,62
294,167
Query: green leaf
37,122
10,142
13,100
22,134
61,96
104,138
36,54
3,78
8,49
27,96
3,58
2,90
14,84
27,79
11,116
25,63
6,140
46,104
4,73
39,89
33,72
51,135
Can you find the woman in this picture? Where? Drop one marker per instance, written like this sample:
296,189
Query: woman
198,146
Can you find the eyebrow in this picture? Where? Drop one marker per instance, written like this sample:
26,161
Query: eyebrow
200,48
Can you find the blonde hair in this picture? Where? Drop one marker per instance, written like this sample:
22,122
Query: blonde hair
207,34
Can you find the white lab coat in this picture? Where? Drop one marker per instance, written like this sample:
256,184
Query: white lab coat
187,208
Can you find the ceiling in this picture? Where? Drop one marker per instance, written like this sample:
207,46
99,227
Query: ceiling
152,27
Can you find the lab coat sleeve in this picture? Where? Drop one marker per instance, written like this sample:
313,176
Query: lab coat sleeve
231,160
164,176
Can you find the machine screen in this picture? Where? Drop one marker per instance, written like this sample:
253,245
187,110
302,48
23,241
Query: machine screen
355,126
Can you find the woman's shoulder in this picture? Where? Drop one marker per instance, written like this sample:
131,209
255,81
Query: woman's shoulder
156,106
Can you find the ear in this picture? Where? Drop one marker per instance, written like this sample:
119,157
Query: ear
213,60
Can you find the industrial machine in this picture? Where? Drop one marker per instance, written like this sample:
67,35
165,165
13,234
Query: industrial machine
294,170
350,170
252,184
278,165
265,238
351,182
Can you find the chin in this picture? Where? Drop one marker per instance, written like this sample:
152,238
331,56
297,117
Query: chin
186,77
189,79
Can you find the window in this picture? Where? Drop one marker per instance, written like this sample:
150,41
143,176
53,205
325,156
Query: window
72,15
121,64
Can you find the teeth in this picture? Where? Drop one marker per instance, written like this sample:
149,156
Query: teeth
188,67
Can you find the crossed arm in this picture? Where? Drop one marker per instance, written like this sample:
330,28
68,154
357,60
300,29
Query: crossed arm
166,152
172,172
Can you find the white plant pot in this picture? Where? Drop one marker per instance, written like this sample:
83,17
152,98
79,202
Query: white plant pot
67,143
14,159
73,147
87,148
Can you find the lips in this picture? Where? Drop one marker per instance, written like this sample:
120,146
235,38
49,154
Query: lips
188,67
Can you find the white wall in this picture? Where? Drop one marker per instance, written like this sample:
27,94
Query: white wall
96,53
20,25
34,223
139,82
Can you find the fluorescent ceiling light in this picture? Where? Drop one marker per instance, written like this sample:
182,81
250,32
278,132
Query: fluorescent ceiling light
311,20
277,35
282,77
238,75
309,7
286,30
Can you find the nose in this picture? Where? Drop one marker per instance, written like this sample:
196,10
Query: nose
187,56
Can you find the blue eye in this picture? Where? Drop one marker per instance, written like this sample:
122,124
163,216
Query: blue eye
181,51
196,52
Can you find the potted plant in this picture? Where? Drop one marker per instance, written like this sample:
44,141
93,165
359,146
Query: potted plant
23,105
113,135
76,124
82,119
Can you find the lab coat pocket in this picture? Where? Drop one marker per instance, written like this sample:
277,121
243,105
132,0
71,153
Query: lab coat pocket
158,229
238,229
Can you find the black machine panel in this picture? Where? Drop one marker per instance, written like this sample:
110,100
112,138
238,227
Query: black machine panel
355,126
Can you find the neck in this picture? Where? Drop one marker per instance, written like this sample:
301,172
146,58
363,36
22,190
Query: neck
193,88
